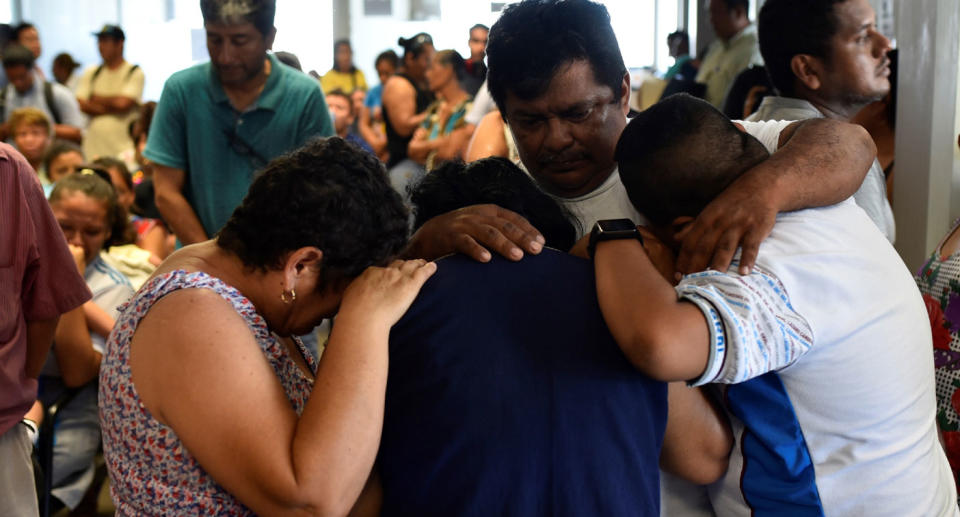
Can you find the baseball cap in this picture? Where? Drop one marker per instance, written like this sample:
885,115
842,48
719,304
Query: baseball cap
114,31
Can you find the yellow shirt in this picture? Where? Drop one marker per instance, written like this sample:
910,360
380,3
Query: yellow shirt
725,60
335,80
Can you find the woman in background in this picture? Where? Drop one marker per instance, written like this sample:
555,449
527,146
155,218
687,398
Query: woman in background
406,96
444,134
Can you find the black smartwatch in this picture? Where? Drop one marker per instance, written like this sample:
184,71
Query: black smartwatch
610,229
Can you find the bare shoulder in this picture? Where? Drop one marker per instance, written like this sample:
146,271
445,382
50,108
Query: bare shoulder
397,85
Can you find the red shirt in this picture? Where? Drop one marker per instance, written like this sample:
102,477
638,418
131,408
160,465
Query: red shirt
38,278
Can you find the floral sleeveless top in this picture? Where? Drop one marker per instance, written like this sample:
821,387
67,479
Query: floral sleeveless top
151,472
939,282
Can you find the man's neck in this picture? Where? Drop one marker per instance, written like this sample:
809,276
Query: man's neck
113,64
833,109
742,24
244,94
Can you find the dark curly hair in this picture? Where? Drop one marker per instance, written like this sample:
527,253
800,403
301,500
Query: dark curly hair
498,181
330,194
533,39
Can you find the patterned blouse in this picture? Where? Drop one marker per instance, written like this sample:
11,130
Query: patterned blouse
151,472
939,282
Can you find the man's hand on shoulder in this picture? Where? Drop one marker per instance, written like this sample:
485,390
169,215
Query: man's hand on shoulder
475,231
741,216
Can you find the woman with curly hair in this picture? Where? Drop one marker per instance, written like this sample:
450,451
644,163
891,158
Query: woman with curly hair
207,402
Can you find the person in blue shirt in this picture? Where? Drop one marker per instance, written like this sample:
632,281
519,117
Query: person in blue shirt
218,122
507,395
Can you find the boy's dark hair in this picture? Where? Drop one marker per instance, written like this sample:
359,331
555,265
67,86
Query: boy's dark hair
230,12
533,39
679,154
498,181
17,55
479,26
413,47
108,162
786,28
329,194
388,56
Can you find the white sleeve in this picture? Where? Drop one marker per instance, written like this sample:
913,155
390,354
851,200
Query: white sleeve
753,327
767,132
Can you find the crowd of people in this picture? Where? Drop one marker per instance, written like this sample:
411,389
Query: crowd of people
538,300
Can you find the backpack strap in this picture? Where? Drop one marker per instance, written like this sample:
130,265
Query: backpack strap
51,104
94,76
131,71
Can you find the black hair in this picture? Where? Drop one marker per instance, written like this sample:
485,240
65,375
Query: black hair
679,34
786,28
19,28
388,56
479,26
56,149
65,60
453,59
330,194
339,43
92,184
414,46
230,12
289,58
495,180
733,4
17,55
679,154
109,162
533,39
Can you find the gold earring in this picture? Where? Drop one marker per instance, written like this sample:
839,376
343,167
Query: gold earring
293,296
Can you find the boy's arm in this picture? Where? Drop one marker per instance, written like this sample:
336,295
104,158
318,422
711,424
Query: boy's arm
662,336
705,329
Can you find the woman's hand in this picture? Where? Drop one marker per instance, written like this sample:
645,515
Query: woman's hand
381,295
78,257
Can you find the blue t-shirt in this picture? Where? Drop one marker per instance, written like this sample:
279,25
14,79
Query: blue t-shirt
507,396
373,98
196,129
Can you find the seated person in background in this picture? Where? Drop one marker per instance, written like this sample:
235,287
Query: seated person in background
939,281
64,71
342,110
30,131
444,134
492,137
142,245
179,436
823,346
386,65
85,206
532,409
27,89
406,97
344,76
61,158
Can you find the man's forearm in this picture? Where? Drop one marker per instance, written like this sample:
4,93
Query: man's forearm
66,132
178,213
114,103
91,107
822,163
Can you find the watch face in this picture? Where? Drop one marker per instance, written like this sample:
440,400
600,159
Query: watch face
616,225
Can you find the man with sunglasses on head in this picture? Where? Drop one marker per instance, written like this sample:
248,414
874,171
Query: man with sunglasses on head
219,122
